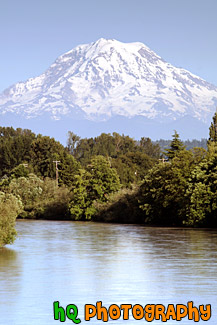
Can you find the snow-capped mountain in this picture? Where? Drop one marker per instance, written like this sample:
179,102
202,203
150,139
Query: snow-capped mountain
101,80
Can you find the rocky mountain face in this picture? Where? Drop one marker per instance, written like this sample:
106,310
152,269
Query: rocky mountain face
106,79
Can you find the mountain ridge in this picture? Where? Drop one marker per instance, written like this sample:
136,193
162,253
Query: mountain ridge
107,78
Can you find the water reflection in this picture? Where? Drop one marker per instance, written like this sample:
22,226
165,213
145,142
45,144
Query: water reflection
76,262
7,256
10,269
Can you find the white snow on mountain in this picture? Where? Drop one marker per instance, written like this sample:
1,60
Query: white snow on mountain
107,78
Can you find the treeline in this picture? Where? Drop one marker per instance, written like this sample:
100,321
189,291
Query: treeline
110,178
89,171
189,144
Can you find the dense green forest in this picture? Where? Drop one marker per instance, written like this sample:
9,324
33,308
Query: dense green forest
110,178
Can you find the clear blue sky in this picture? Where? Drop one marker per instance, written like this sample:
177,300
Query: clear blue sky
33,33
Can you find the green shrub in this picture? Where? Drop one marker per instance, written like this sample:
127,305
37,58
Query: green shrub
40,198
10,207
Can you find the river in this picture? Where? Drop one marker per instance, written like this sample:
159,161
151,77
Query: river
82,263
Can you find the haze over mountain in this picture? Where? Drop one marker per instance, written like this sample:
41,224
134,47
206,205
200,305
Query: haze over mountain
111,86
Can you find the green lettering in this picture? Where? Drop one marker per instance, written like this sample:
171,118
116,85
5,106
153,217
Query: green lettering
59,312
73,315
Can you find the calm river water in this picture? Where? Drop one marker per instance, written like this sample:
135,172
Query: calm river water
82,263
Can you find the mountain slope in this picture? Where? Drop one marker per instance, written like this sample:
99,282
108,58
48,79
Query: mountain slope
108,78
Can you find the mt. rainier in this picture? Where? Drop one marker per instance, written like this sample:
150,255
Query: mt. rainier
106,79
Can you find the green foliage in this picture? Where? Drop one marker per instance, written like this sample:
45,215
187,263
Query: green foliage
130,158
29,189
10,207
162,194
111,178
199,154
14,148
94,184
132,167
125,169
106,145
22,170
202,186
72,142
104,179
175,146
40,198
44,151
149,148
183,191
54,201
202,191
213,130
121,207
189,144
80,204
68,168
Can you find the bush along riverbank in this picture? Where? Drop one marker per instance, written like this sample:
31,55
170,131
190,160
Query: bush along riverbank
110,178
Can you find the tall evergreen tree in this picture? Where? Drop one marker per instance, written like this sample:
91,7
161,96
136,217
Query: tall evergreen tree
213,130
175,147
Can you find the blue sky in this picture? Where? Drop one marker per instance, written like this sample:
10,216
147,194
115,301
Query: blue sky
34,33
